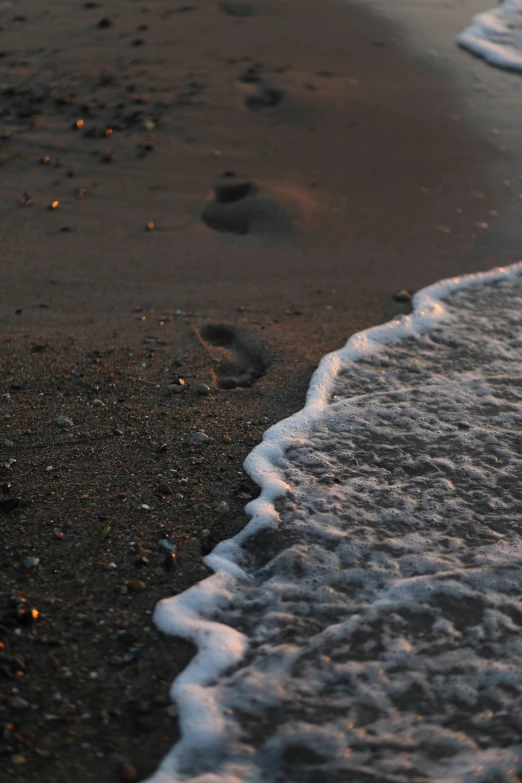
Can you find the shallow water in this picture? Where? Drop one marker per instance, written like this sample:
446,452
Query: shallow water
366,625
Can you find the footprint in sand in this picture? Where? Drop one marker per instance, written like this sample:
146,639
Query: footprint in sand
230,209
243,357
265,97
261,94
240,206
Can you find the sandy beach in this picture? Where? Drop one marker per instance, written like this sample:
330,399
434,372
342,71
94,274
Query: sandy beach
198,201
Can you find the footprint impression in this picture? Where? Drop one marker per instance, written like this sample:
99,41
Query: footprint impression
240,206
243,357
231,209
261,94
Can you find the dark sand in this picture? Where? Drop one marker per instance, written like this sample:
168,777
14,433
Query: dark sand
361,183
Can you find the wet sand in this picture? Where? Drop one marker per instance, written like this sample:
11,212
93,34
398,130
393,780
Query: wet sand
299,167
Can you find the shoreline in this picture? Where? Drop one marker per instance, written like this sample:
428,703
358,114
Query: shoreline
357,173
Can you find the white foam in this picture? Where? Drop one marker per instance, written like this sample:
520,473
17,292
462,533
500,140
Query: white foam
496,35
367,619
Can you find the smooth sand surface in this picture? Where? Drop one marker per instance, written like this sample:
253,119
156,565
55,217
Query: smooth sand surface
370,182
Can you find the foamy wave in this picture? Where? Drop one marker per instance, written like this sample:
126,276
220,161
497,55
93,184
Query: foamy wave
366,624
496,35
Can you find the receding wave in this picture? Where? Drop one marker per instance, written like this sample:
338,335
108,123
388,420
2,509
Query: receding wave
496,35
366,625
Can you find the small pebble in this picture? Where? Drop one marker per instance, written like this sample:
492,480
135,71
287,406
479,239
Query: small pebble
203,388
197,438
135,585
402,296
164,489
264,420
8,443
31,562
98,403
63,421
222,508
26,200
227,439
171,710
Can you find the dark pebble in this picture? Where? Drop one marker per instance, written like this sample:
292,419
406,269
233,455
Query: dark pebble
105,22
164,489
9,504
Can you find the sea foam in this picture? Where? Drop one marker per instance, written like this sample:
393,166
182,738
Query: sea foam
496,35
366,625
